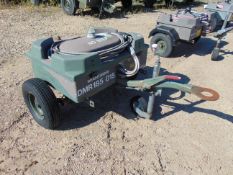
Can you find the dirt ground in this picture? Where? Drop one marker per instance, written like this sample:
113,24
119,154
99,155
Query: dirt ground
185,137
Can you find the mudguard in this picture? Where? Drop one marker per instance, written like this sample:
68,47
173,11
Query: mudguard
166,30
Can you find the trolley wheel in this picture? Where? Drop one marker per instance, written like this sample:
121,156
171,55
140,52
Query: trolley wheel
69,6
41,102
164,44
215,54
139,102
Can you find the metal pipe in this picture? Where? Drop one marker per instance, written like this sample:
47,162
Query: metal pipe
155,74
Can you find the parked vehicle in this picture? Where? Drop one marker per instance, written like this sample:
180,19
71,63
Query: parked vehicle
183,26
219,12
83,66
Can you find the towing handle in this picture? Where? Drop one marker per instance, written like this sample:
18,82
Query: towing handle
223,32
203,93
167,81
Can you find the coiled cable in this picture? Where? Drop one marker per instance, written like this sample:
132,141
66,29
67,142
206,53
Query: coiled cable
125,43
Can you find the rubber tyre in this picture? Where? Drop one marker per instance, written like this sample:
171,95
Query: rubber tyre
213,24
69,6
138,99
35,2
149,3
215,54
36,92
166,41
127,4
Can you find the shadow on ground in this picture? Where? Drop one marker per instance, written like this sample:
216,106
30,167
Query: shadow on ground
190,4
203,47
136,8
118,100
118,14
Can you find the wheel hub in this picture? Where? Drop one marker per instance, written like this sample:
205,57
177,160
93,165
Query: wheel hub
36,107
67,4
162,45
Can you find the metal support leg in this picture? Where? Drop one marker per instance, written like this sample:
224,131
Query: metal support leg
101,9
220,35
150,104
156,70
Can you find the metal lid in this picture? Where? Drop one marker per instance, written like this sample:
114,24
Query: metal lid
100,42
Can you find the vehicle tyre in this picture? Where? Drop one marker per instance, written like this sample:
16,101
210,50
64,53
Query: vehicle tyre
149,3
164,43
69,6
215,54
189,1
41,102
127,4
140,102
95,9
35,2
213,24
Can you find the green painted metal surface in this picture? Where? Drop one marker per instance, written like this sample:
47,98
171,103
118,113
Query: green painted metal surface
78,77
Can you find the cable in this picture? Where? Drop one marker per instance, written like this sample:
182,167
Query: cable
102,53
125,42
127,73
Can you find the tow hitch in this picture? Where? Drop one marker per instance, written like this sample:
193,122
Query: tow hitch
155,85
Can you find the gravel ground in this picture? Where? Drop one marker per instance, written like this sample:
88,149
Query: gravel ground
186,136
